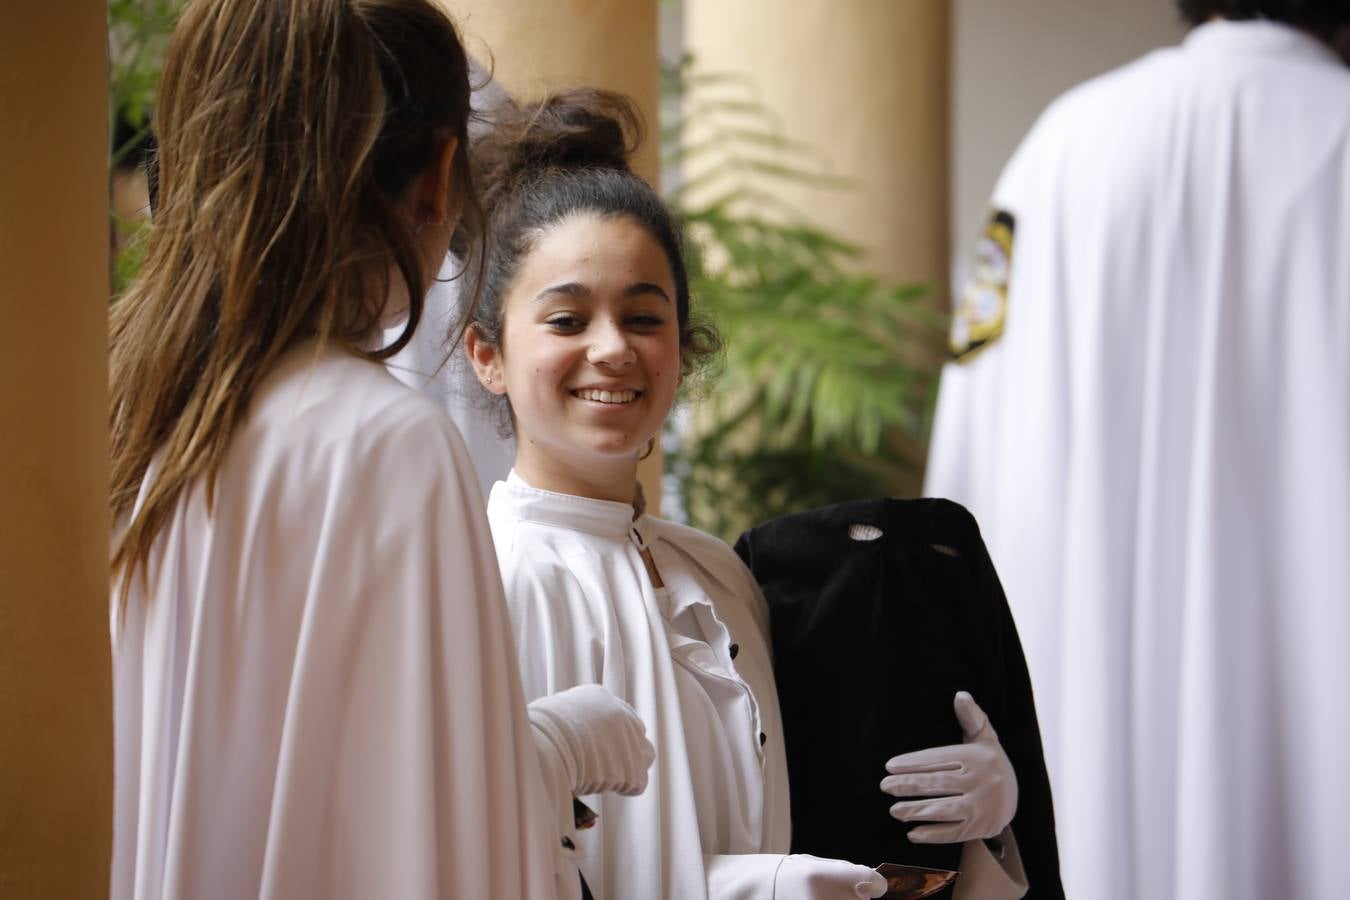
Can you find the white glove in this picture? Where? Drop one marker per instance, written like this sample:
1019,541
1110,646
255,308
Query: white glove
600,740
969,789
813,878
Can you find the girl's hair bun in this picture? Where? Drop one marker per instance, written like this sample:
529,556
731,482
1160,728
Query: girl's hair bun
580,128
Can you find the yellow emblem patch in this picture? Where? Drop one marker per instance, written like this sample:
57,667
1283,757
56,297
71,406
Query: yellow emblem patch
978,318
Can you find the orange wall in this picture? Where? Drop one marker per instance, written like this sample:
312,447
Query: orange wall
55,694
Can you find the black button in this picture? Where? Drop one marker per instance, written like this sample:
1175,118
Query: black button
762,738
735,648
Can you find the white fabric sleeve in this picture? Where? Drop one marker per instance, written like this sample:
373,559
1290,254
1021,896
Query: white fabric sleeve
986,877
741,876
534,646
553,626
559,789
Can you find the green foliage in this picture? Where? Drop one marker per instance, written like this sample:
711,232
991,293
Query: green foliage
138,32
128,252
828,376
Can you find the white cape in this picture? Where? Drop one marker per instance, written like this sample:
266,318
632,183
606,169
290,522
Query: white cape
318,694
1158,451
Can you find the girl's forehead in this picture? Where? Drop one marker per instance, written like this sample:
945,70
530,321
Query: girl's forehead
581,230
587,245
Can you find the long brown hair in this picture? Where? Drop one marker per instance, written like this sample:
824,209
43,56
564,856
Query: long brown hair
289,131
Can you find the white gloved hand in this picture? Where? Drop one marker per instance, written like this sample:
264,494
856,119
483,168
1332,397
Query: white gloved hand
600,740
813,878
969,790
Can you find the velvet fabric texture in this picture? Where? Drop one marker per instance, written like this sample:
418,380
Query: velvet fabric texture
871,640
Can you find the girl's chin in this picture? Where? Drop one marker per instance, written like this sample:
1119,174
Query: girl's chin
606,453
609,442
612,455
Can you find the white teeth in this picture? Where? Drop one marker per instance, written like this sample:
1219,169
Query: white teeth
608,396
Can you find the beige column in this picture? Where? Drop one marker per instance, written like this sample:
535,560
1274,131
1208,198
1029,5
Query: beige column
55,695
535,46
863,86
864,83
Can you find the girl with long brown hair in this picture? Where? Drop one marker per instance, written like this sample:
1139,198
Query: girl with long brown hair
316,691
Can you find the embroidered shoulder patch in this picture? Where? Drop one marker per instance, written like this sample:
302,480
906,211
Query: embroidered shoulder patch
978,318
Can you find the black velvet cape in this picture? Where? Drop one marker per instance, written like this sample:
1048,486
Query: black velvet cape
871,640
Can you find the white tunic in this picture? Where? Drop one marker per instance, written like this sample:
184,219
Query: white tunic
318,696
714,818
1158,451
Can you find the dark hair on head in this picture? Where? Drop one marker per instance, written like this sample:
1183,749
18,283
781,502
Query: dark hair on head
546,162
1318,16
289,133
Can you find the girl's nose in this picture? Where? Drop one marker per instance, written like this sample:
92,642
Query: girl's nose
611,349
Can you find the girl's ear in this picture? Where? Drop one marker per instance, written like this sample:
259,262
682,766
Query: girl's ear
486,360
435,184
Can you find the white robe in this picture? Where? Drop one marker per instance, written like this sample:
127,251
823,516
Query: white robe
1158,451
318,694
714,818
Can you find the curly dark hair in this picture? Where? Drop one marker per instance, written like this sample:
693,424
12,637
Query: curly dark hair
1319,16
545,162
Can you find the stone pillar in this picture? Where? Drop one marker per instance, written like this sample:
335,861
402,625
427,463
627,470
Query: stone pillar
534,46
865,84
55,673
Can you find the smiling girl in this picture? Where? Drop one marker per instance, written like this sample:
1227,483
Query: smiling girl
585,330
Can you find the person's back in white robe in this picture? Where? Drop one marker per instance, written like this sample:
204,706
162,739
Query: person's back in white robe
318,695
1158,451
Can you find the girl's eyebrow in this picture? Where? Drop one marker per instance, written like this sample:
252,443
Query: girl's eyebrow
569,289
646,287
573,289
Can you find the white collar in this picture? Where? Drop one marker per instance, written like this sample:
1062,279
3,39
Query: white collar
608,518
1257,36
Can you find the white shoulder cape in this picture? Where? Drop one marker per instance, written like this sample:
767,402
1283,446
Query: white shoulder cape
316,689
